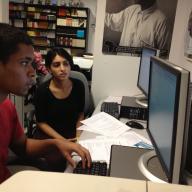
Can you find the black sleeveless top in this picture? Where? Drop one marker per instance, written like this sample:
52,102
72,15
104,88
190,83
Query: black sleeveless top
60,114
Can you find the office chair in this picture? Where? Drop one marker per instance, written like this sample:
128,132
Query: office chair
88,108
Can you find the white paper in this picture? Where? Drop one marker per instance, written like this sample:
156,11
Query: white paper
104,124
100,147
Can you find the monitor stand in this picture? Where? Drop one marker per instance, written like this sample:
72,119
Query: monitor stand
148,165
143,101
124,163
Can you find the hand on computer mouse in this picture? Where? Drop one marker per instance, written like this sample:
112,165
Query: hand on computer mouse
135,124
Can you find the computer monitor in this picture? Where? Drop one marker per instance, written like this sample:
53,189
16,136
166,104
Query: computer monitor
143,76
167,117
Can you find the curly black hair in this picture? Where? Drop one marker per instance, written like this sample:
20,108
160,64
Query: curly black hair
10,38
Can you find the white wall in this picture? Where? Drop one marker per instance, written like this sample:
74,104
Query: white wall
4,14
184,8
92,5
112,75
117,75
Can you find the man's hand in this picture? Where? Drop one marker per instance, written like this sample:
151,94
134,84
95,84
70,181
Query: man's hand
66,148
42,148
72,139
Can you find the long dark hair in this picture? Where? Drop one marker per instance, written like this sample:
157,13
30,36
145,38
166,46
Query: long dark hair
51,54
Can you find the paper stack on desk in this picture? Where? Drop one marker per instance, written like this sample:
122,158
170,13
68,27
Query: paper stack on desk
112,132
100,147
104,124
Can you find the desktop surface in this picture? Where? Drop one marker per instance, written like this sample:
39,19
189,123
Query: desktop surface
157,187
31,181
89,135
116,169
86,135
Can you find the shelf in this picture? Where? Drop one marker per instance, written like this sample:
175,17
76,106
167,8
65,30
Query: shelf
70,42
17,10
44,12
16,3
16,18
70,36
70,47
41,29
40,6
73,12
59,25
42,37
73,17
39,20
44,46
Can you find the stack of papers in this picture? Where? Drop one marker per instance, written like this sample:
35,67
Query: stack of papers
104,124
111,132
100,147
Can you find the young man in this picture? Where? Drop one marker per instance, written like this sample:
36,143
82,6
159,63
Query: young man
16,73
140,24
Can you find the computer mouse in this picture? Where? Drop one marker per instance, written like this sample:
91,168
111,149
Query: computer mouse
135,124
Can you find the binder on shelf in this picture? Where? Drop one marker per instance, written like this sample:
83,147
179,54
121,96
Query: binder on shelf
80,33
61,22
78,43
81,13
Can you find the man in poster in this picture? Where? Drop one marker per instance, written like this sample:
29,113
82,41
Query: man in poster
140,24
188,51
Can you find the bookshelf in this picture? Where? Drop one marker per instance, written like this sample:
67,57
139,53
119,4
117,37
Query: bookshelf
41,26
51,25
71,30
17,14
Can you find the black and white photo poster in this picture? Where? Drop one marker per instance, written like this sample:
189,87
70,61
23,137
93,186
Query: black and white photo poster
188,41
132,24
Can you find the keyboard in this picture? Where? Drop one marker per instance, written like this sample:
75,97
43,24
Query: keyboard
97,168
111,108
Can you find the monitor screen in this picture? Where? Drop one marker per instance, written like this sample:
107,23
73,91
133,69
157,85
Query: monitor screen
168,95
144,68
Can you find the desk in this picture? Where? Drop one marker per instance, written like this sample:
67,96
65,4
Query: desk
83,63
124,162
89,135
31,181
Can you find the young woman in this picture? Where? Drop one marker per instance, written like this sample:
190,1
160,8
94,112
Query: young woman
59,102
